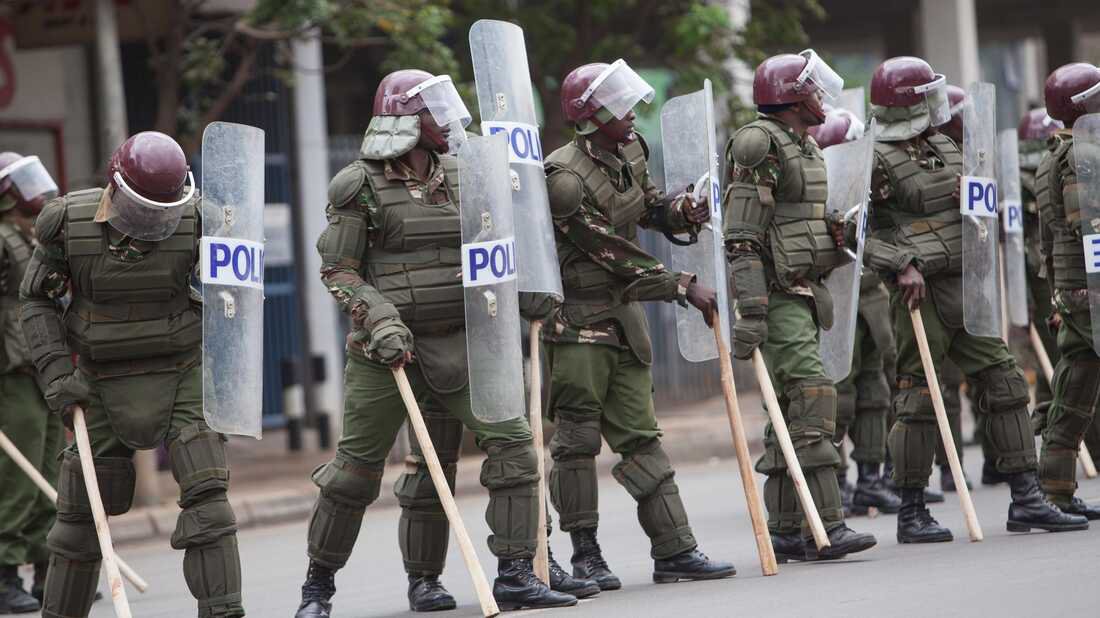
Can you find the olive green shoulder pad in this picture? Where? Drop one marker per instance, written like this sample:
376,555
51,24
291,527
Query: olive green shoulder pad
750,145
565,190
50,221
346,184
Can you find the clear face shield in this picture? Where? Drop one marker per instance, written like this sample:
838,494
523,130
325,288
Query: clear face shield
619,89
1088,99
30,178
143,218
446,106
935,94
819,74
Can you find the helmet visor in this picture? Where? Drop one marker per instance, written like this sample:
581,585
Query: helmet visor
619,89
441,97
819,74
30,178
935,94
140,217
1088,99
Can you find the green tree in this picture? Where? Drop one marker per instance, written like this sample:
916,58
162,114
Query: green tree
205,60
693,39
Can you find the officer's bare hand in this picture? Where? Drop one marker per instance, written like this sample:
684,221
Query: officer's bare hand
704,299
911,283
1054,322
696,213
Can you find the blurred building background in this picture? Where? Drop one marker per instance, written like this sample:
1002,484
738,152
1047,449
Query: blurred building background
312,95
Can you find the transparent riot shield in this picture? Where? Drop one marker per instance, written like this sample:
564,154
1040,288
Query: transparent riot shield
1012,219
232,275
978,203
507,107
493,333
690,147
1086,153
853,100
848,167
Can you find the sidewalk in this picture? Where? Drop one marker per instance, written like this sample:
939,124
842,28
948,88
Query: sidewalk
271,485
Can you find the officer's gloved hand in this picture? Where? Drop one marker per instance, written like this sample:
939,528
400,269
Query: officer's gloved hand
391,342
66,392
749,332
537,306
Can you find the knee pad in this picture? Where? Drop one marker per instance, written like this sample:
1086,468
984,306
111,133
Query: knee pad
1058,470
873,393
347,488
913,402
74,539
204,522
665,522
574,492
576,436
642,471
869,435
116,479
1078,397
423,535
1001,389
512,516
509,464
912,446
445,431
213,574
812,408
350,482
70,587
845,410
198,463
415,488
822,484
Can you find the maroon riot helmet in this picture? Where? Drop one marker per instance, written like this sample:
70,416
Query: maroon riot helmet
1072,91
150,185
792,78
25,185
409,91
1037,126
905,81
614,87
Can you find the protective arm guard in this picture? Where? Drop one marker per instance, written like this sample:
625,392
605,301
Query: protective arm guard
1046,243
342,246
886,258
47,278
1071,190
749,280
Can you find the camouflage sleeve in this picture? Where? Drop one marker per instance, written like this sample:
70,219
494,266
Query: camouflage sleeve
45,281
663,213
647,278
342,247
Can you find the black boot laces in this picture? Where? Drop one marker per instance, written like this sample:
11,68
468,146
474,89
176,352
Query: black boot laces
431,585
320,584
556,572
593,558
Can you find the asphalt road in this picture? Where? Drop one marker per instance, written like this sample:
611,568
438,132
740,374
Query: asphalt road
1006,575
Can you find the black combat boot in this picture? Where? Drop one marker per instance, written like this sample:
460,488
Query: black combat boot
915,523
1030,508
788,546
317,591
517,586
871,491
690,565
427,594
947,481
990,475
13,598
561,581
1078,506
588,562
842,541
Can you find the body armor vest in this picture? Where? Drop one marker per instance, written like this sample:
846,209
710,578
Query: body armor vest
923,211
592,293
16,248
801,244
1067,254
129,310
414,259
585,281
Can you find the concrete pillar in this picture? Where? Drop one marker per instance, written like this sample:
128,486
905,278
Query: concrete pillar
949,39
311,165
